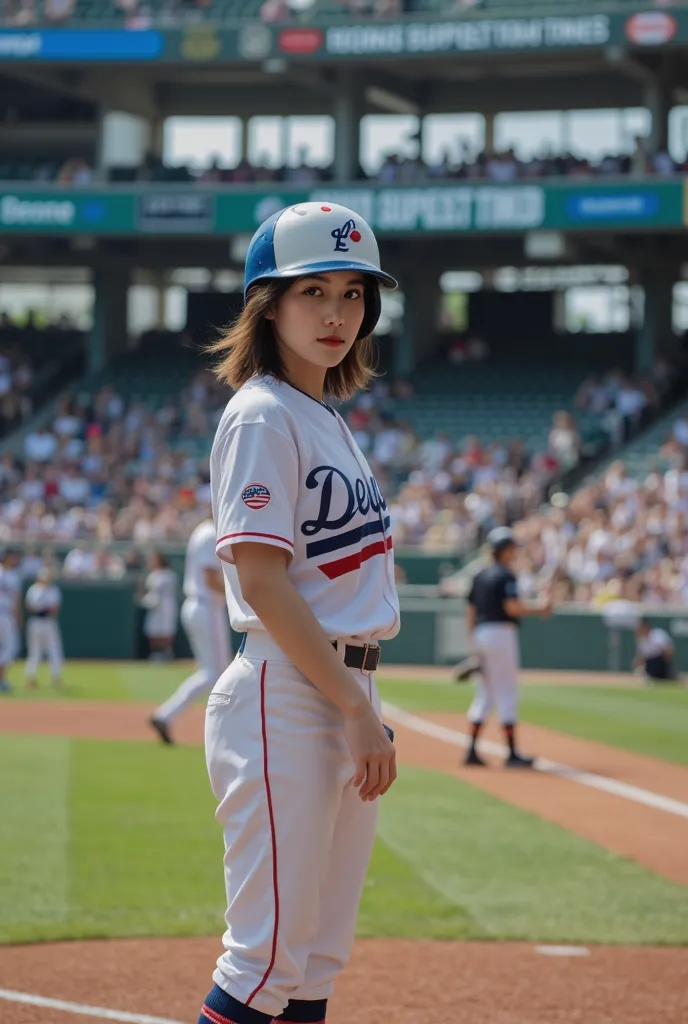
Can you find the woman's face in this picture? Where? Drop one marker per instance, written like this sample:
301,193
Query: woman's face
318,319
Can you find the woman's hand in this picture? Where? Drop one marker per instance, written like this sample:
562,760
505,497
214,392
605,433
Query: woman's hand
372,752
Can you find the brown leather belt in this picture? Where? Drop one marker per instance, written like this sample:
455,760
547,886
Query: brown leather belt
365,658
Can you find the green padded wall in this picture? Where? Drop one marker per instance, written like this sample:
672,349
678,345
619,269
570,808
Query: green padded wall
102,619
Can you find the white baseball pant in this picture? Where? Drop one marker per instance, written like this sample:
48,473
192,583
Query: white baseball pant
497,683
207,627
43,640
298,838
9,640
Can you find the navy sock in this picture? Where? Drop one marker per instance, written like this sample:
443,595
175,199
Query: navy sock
305,1011
221,1008
510,733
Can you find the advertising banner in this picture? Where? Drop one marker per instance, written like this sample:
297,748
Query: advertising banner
441,209
350,40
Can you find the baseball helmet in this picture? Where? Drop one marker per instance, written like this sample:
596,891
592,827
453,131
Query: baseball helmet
500,539
313,238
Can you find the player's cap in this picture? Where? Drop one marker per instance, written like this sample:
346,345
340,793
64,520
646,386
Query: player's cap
317,237
501,538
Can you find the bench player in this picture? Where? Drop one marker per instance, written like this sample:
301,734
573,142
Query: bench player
205,621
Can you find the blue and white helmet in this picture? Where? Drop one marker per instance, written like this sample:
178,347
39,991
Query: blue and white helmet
314,238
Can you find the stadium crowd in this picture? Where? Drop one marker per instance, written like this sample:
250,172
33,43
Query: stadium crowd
141,14
108,470
619,538
107,477
500,167
16,373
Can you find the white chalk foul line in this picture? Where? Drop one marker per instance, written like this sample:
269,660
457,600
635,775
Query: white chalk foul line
87,1011
599,782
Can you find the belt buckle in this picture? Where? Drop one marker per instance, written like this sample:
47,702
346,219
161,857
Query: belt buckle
367,648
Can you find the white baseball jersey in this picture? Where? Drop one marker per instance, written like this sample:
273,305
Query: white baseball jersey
200,555
42,596
285,470
9,588
162,584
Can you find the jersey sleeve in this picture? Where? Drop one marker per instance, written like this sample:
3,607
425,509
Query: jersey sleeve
257,470
471,593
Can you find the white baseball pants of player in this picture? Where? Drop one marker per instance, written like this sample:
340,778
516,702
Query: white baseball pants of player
497,683
298,838
43,640
9,639
207,627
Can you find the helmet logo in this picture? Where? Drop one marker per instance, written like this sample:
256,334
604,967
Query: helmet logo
346,232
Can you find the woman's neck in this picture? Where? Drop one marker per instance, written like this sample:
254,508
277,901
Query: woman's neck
304,375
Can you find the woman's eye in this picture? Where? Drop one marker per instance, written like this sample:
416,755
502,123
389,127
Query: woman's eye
311,291
353,294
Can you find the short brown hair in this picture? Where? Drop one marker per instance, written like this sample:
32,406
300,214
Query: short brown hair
247,348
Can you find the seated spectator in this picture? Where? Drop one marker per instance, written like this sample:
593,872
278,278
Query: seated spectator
564,440
56,12
631,403
75,172
662,164
679,432
40,445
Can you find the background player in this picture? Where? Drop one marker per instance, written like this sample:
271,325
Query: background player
204,617
10,615
160,600
294,721
11,563
492,615
43,637
655,652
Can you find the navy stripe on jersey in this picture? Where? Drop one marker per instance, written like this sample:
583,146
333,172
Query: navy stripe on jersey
343,540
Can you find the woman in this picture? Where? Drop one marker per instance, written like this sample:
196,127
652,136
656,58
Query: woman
296,752
161,602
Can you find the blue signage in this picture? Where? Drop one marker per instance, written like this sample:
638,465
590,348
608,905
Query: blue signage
80,45
621,206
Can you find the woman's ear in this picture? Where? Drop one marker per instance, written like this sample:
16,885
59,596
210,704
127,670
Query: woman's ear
270,315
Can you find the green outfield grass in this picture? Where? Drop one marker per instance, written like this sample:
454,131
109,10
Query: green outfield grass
111,839
652,721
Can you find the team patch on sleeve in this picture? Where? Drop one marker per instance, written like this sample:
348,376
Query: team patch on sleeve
256,496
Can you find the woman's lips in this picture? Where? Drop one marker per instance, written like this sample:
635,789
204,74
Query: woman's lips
333,340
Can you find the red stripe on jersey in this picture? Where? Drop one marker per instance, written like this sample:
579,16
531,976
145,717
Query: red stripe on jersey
251,533
273,838
341,566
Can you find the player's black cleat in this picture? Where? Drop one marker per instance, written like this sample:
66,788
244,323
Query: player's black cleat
519,761
474,758
162,729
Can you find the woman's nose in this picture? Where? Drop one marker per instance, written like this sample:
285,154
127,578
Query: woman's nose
334,316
